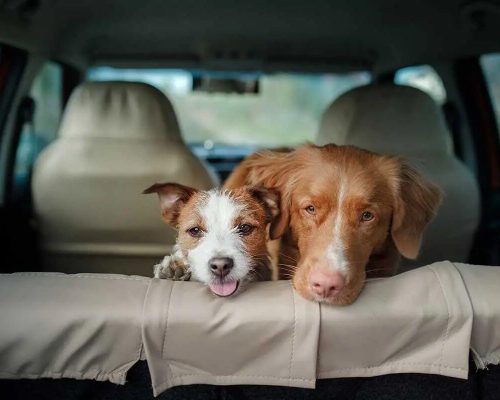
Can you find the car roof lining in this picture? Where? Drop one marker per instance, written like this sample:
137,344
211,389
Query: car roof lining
317,35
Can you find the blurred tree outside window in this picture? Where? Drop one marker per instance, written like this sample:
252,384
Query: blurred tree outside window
285,112
425,78
46,91
491,68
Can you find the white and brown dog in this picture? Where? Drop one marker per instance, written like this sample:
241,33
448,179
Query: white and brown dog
222,235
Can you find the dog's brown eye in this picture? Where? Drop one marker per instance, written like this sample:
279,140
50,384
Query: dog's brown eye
245,229
310,209
195,231
366,216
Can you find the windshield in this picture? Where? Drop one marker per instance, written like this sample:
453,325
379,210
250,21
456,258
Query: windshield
285,112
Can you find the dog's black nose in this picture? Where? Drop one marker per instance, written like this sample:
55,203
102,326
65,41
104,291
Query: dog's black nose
221,265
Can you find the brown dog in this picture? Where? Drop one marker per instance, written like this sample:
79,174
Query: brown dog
222,235
346,214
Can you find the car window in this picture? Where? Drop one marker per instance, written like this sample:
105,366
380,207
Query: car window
286,111
46,92
425,78
491,68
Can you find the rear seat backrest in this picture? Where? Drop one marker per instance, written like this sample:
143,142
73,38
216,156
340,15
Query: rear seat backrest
405,121
115,139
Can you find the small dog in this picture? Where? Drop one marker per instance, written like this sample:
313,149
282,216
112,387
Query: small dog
222,235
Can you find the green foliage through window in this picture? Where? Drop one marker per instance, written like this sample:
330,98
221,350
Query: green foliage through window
491,69
287,110
46,91
425,78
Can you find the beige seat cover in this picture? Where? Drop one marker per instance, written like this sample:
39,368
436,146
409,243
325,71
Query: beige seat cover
483,285
96,327
115,140
405,121
70,326
267,335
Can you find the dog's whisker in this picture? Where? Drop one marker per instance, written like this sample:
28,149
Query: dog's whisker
291,270
288,265
287,270
288,257
289,273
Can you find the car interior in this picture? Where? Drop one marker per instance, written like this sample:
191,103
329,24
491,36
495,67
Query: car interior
101,99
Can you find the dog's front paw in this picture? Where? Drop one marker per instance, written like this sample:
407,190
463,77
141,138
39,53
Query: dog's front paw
161,269
173,268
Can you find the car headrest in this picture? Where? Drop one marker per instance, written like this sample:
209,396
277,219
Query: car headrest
119,110
387,118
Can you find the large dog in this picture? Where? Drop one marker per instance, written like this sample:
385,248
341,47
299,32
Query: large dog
346,214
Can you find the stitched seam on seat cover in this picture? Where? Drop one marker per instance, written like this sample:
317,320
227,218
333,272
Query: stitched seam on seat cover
166,322
446,332
244,376
127,365
94,371
143,319
120,370
293,332
62,275
394,364
123,369
267,377
179,377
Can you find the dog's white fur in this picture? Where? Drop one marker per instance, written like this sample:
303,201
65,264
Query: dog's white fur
221,239
229,225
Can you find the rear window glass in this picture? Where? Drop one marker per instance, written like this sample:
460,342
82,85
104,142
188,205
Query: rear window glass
491,67
286,111
46,92
425,78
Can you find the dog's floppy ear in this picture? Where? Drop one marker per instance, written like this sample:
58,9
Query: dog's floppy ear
269,169
269,198
415,204
280,224
278,214
173,196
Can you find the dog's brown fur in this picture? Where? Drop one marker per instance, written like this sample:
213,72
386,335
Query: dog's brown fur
180,208
400,200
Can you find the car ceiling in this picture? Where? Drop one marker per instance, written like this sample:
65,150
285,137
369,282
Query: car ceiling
252,35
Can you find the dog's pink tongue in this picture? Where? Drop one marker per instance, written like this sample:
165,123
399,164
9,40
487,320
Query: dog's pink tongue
224,289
